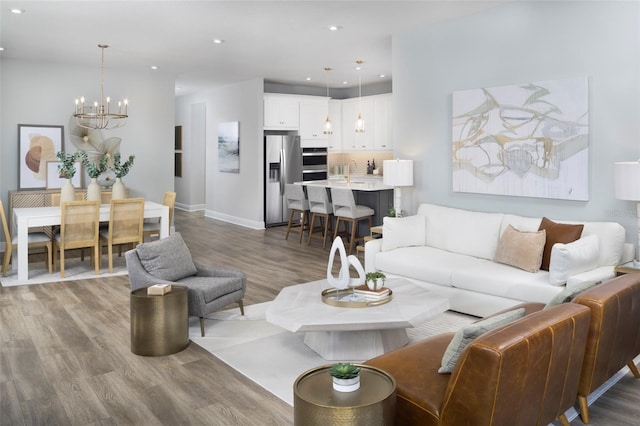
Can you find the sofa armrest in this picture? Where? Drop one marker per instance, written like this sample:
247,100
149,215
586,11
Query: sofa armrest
599,274
371,248
212,271
628,253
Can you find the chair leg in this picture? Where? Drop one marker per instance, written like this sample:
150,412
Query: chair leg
7,258
354,230
584,408
327,228
202,326
563,420
61,263
304,224
49,261
634,369
241,304
312,227
286,237
97,258
110,255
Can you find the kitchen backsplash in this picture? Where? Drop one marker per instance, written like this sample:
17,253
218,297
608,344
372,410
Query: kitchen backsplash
337,159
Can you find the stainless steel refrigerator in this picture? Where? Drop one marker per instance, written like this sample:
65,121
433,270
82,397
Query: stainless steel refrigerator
283,164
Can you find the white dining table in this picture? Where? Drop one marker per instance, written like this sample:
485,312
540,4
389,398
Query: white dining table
29,217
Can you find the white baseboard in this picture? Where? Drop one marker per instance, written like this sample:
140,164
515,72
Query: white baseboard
235,220
189,208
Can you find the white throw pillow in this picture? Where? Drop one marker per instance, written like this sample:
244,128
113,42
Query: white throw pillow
569,259
403,232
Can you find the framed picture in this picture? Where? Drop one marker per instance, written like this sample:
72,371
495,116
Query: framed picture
229,147
54,180
38,144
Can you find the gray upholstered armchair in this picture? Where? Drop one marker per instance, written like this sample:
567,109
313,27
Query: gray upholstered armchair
168,261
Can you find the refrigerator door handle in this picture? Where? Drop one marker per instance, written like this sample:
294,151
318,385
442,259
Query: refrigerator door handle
283,170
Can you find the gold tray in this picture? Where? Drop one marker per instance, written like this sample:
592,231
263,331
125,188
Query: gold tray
329,296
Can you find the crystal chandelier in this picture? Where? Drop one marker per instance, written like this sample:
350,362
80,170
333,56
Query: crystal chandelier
328,127
99,115
359,120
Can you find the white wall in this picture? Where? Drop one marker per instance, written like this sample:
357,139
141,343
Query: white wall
43,93
517,43
233,197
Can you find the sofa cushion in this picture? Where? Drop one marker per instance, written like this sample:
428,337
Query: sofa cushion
424,263
496,279
212,288
572,258
611,239
521,249
557,233
569,294
462,231
168,258
468,333
403,232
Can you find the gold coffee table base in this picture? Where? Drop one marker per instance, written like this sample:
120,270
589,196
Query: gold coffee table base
317,403
159,324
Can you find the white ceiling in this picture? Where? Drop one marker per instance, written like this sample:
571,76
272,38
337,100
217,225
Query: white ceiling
280,41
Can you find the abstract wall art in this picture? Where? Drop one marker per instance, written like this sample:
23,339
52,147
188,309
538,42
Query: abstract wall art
229,147
528,140
38,144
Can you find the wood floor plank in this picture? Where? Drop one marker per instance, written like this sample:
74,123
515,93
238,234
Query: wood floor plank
65,354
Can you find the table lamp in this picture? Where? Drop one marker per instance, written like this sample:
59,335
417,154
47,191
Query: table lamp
397,173
627,185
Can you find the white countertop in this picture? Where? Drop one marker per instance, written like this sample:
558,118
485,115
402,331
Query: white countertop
356,184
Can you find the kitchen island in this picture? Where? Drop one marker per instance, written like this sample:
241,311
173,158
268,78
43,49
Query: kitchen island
368,192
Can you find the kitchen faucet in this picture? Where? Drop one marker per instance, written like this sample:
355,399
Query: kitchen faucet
349,170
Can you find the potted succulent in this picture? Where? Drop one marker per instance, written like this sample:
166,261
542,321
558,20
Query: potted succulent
375,280
121,170
67,170
346,377
94,170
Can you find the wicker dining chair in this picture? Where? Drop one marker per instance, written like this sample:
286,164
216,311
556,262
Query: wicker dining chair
78,228
125,225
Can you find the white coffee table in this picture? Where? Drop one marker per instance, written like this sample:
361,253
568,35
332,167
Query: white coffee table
353,334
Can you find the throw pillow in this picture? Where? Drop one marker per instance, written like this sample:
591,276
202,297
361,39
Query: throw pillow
521,249
569,294
465,335
168,258
403,232
557,233
570,259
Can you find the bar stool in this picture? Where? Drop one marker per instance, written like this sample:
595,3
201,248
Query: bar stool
320,207
297,203
346,210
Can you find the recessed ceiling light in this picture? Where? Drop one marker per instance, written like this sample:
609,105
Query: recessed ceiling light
218,40
308,78
1,49
345,82
381,76
154,67
18,11
334,27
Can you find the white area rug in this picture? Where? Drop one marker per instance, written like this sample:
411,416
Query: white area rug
74,270
273,357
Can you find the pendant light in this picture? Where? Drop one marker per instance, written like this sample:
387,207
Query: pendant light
359,120
100,116
328,127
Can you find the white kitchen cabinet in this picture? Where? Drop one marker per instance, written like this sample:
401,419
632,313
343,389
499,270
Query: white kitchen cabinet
352,141
281,112
335,114
313,114
383,138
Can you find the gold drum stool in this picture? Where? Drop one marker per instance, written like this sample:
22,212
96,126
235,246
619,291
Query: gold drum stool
159,324
317,403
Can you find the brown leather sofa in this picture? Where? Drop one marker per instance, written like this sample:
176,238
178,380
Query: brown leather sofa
524,373
614,333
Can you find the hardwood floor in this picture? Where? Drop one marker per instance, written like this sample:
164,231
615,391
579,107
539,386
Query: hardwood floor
65,356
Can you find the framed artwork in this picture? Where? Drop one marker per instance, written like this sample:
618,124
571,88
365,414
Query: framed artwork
54,180
38,144
229,147
525,140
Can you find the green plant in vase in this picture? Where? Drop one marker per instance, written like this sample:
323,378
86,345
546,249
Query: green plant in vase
346,377
95,169
120,170
374,279
67,166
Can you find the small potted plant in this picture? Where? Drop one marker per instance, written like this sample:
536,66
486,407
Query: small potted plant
94,170
346,377
121,170
67,170
375,280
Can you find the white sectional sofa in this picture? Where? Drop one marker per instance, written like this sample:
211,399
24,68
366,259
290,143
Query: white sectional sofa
451,252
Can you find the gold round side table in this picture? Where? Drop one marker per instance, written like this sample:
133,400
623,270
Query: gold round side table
159,324
317,403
